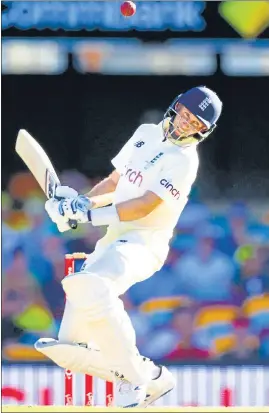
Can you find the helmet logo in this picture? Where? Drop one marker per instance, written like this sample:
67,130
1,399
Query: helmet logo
205,103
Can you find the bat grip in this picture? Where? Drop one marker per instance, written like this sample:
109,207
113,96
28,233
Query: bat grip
73,223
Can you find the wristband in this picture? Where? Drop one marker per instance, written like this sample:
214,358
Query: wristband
104,216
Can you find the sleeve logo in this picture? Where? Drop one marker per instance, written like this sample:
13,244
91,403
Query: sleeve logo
174,192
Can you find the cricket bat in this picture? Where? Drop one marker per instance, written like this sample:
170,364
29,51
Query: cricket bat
38,162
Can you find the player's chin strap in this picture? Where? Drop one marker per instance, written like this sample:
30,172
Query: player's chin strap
203,135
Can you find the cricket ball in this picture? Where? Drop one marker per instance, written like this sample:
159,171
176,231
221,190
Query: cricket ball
128,9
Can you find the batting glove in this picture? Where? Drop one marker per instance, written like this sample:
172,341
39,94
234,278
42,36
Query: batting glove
65,192
52,208
77,209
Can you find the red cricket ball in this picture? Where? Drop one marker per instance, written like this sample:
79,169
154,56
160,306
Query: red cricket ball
128,9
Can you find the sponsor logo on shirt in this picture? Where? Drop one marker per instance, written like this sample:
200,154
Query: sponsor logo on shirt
174,192
135,177
139,144
153,161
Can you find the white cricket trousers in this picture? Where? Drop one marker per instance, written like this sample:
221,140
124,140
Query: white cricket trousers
93,311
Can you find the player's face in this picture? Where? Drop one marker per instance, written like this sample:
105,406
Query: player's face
185,123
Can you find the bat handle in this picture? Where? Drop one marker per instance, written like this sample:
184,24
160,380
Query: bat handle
73,223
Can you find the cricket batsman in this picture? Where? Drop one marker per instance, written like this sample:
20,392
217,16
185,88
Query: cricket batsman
140,202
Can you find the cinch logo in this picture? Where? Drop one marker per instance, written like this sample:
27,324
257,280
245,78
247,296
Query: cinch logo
174,192
153,161
139,144
135,177
205,103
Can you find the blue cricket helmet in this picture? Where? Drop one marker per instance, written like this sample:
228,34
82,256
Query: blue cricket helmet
203,103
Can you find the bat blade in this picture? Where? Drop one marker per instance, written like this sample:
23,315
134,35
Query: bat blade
38,162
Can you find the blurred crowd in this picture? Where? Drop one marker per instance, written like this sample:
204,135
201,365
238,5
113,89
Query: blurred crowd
210,301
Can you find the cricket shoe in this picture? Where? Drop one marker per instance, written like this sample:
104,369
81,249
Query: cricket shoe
158,387
128,395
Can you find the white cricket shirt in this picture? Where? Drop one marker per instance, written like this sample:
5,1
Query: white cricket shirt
146,163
